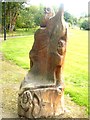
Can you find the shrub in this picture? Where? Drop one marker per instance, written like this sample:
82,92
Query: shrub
85,25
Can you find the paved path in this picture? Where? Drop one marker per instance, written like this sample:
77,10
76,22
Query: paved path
16,36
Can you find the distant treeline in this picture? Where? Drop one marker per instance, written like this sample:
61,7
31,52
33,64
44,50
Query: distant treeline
20,16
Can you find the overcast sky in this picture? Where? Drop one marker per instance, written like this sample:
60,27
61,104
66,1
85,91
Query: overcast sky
75,7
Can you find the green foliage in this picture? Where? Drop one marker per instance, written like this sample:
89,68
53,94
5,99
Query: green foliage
19,16
12,11
69,18
30,17
76,61
85,25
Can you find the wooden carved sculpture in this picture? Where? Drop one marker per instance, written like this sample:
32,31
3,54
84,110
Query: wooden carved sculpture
44,85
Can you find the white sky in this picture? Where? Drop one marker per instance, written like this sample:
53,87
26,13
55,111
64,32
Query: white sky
75,7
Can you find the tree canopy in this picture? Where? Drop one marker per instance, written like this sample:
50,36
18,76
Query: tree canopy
30,17
70,18
12,12
18,15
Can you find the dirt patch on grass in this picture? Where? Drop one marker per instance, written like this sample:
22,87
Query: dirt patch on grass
11,77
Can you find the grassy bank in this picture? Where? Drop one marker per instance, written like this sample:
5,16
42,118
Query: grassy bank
76,62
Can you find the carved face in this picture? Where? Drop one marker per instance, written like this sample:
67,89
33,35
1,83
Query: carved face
47,10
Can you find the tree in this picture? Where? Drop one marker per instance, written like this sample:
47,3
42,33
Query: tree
30,17
84,22
85,25
12,12
69,18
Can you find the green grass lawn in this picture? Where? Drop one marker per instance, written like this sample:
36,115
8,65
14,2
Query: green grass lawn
20,32
17,50
76,62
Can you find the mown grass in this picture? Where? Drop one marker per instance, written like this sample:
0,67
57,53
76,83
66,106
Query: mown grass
20,32
76,67
17,50
76,62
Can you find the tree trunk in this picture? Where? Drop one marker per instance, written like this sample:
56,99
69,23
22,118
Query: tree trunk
13,18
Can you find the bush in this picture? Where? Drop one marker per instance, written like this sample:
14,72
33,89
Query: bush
85,25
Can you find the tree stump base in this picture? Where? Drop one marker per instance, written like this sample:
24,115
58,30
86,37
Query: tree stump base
41,102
